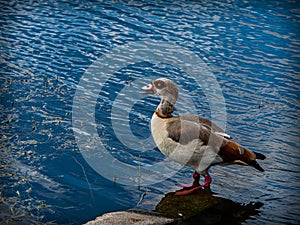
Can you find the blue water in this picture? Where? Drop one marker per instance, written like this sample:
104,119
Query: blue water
251,49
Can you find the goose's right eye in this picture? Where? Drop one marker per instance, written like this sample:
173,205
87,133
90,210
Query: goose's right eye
159,84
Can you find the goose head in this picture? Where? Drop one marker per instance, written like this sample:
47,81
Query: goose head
164,88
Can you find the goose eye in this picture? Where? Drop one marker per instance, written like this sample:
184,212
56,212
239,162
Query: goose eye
159,84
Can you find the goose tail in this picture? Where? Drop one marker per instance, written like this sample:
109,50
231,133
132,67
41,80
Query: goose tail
256,165
259,156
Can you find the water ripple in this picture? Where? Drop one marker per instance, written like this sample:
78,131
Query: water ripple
251,47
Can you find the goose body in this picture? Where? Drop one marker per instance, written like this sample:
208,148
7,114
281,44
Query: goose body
186,150
192,140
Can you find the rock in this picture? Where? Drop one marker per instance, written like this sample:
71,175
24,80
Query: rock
201,207
205,208
131,218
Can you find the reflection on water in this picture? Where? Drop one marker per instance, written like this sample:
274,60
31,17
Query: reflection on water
251,47
204,207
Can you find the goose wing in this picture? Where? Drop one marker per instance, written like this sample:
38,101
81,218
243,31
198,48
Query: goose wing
186,130
205,122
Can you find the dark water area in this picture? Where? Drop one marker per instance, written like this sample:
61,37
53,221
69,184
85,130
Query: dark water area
48,52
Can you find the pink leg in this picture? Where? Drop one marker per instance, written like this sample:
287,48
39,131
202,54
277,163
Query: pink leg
195,183
196,175
194,188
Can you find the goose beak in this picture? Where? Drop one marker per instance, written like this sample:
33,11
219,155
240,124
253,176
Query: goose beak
149,89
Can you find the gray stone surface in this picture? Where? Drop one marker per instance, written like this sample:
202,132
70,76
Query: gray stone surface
130,218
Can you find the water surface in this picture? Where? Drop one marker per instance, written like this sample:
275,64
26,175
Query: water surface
251,48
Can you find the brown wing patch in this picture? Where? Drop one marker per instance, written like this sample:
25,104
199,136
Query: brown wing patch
201,120
185,131
232,151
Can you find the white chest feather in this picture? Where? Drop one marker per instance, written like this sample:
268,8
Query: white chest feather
170,148
158,129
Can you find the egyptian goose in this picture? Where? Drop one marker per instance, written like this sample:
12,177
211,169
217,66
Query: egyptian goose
192,140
